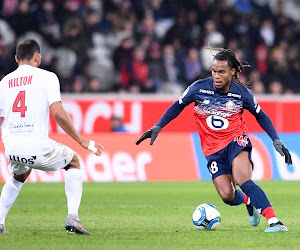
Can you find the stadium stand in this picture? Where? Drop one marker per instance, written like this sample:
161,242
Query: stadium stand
154,46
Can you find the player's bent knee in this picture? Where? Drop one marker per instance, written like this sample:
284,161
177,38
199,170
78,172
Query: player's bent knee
227,196
22,177
227,201
75,163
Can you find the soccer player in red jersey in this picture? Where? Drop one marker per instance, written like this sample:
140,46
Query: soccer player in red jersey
219,103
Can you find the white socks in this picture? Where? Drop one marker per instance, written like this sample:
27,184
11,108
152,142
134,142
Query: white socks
272,220
73,189
249,201
9,194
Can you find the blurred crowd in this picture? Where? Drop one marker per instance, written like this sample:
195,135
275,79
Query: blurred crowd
155,46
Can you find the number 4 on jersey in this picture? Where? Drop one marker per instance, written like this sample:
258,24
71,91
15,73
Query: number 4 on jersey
19,104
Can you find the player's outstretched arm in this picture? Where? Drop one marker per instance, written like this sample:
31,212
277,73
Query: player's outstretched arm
283,151
265,122
150,133
65,122
171,113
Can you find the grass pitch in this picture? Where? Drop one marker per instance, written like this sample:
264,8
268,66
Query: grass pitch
149,215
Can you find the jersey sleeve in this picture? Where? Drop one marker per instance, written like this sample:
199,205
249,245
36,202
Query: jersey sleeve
261,117
250,103
188,95
177,107
53,89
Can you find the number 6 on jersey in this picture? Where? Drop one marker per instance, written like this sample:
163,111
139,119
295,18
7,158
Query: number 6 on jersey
19,104
216,122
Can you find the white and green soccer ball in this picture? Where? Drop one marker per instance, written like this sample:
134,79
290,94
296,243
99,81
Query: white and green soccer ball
206,216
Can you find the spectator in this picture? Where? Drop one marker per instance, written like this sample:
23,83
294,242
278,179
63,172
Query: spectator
244,6
4,57
22,20
123,53
146,28
157,71
276,88
50,30
194,35
178,30
193,66
74,38
255,75
117,125
227,26
95,22
103,34
175,70
95,86
215,39
292,81
79,85
267,32
261,59
9,7
258,87
136,72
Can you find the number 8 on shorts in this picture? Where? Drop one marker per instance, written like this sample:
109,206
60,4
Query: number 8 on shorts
213,168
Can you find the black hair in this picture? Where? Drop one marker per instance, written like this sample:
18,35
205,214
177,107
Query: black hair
233,62
26,49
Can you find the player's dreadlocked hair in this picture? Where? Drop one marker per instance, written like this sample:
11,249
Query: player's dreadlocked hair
233,62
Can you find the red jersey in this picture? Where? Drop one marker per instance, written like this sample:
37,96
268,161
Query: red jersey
219,115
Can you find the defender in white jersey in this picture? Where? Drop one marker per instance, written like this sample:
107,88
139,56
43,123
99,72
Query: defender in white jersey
25,97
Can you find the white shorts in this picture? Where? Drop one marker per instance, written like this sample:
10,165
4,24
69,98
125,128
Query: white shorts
59,158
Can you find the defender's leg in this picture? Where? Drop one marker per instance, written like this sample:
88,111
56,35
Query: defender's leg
73,190
9,194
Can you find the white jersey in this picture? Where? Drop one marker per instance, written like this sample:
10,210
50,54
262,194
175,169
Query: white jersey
25,97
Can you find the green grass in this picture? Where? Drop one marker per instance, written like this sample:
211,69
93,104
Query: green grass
146,216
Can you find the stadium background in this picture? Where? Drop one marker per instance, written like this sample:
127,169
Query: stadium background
132,59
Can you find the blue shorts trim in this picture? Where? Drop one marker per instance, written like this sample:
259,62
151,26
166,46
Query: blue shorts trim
220,163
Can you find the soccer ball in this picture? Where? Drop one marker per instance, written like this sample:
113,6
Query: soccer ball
206,216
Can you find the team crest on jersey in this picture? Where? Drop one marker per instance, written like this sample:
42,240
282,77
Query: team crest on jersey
242,140
230,104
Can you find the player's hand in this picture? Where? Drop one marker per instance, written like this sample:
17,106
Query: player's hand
92,146
283,151
151,133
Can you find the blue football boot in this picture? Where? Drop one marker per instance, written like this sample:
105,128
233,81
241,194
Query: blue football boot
253,215
276,227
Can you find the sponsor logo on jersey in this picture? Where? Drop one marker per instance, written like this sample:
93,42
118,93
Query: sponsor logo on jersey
242,140
20,81
206,91
214,112
206,101
234,95
21,159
